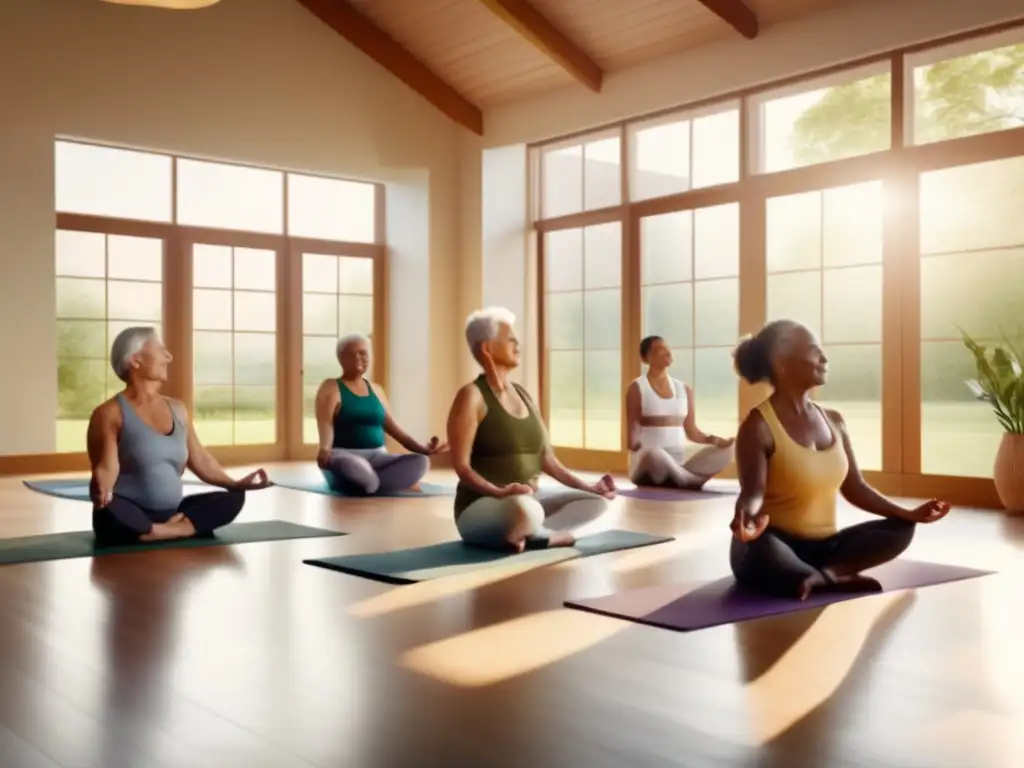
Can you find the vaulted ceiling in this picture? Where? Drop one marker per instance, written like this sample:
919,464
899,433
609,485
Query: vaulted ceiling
465,56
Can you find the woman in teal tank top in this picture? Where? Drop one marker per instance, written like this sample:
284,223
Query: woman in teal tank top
500,447
353,417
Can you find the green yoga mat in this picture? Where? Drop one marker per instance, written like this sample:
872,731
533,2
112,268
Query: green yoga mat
62,546
452,558
319,485
74,488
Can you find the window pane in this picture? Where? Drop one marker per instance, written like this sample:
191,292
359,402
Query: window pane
310,433
255,269
826,124
666,248
716,241
319,360
796,296
81,386
854,389
119,183
602,319
793,232
320,313
211,266
715,391
212,415
602,250
565,396
603,400
331,209
852,229
230,197
561,173
134,301
255,420
319,273
668,312
81,298
355,315
959,433
563,320
563,260
661,160
716,149
211,310
355,275
80,254
979,292
717,312
969,95
683,365
852,305
213,356
972,207
255,311
255,359
602,174
82,338
135,258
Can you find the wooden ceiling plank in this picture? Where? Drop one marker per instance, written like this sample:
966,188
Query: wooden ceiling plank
535,28
736,14
375,43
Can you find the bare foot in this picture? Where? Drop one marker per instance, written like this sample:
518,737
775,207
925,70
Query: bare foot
416,487
808,585
854,582
181,529
561,540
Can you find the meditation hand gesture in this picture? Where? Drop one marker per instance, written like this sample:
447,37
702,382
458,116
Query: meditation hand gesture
928,512
514,489
253,481
434,445
722,442
604,487
747,526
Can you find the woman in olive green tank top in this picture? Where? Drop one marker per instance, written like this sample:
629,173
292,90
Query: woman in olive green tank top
499,449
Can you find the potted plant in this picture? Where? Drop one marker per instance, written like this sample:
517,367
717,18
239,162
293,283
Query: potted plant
1001,384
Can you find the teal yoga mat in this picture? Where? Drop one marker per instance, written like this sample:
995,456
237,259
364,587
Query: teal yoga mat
63,546
452,558
75,488
313,484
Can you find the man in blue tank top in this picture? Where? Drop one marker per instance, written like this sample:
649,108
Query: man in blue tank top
140,443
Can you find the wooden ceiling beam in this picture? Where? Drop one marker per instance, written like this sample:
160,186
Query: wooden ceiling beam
375,43
536,29
736,14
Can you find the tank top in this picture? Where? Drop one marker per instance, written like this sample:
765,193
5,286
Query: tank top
151,462
803,484
653,404
359,422
506,449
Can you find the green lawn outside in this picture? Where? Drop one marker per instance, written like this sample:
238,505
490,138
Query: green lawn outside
957,438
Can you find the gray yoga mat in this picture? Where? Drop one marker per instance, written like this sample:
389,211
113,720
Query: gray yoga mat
63,546
310,484
408,566
685,607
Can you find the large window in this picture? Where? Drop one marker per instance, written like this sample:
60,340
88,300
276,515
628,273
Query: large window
105,283
581,177
583,345
972,256
690,296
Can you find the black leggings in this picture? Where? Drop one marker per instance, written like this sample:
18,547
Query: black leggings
777,562
123,521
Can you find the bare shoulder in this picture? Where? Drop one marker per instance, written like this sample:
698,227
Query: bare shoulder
835,417
469,396
108,414
328,386
177,406
754,430
378,388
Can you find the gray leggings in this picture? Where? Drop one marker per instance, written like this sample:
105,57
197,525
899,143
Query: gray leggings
365,472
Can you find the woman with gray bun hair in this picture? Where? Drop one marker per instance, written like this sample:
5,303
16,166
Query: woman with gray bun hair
794,458
140,443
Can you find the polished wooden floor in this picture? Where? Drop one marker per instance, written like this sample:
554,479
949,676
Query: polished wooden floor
245,657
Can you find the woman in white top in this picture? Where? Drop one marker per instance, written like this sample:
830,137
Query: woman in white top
666,447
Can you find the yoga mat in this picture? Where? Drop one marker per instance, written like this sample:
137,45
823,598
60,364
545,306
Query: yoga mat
685,607
319,485
62,546
408,566
674,494
74,488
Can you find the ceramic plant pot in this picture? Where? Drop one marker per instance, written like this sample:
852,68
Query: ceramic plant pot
1008,473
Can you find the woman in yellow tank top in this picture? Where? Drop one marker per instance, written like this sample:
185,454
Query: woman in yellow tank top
794,459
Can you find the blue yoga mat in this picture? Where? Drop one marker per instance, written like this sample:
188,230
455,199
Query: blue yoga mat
74,488
313,484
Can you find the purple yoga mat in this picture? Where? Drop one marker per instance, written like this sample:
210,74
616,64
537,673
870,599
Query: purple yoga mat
674,494
685,607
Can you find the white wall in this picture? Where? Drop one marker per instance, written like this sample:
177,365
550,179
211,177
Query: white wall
257,81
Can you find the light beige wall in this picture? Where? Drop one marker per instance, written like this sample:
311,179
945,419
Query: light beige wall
256,81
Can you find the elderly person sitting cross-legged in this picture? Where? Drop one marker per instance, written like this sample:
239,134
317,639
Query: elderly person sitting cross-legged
500,447
352,418
140,443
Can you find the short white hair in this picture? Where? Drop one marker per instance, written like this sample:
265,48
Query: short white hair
352,338
128,344
484,324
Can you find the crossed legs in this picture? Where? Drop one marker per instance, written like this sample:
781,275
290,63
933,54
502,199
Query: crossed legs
125,522
364,473
787,566
690,468
542,520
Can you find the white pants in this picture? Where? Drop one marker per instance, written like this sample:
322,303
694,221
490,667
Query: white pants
687,466
488,522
